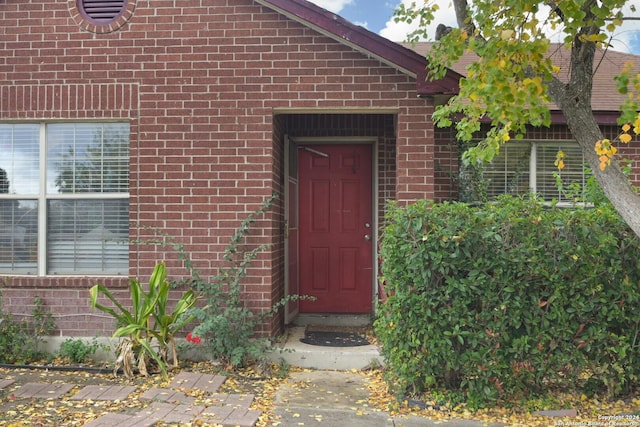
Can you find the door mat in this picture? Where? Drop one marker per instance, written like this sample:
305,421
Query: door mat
334,339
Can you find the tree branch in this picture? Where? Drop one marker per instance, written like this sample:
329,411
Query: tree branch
462,16
552,4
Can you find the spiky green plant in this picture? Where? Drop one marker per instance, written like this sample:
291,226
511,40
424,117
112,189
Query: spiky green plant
148,328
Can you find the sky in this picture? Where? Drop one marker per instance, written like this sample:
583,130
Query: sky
376,16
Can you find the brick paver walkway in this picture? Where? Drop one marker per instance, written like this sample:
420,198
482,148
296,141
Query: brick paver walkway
42,390
170,405
104,392
194,381
6,383
167,395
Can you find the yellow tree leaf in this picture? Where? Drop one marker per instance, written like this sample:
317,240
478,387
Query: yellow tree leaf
625,137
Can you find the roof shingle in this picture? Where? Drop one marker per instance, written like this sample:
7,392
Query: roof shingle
608,63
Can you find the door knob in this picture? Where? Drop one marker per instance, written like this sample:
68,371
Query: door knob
367,237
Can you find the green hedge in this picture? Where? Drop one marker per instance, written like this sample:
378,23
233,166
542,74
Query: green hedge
509,299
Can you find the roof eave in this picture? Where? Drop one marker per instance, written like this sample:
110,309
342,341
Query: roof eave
393,54
603,117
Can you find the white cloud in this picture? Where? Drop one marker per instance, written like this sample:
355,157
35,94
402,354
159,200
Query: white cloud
364,24
397,31
334,6
625,37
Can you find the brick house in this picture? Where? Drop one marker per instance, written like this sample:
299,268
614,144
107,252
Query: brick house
183,117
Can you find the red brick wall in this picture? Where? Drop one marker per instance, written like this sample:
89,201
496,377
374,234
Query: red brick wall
630,151
415,154
446,165
276,280
199,81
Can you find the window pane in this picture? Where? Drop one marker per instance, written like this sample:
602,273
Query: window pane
18,236
508,172
88,236
573,172
87,158
19,159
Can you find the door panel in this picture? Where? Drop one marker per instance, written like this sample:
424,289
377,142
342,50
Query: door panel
319,269
319,197
335,250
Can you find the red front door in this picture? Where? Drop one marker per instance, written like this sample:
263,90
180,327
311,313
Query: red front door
335,228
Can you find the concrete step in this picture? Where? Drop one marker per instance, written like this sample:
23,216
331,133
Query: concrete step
312,319
296,353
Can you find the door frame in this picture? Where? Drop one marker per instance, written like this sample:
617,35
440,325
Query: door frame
291,308
367,140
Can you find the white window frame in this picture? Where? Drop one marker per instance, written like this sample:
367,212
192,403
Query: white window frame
43,197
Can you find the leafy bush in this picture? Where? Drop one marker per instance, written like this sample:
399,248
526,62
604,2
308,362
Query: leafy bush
12,337
40,324
509,299
225,321
78,351
21,340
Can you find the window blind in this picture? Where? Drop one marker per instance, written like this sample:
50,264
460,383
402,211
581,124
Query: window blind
87,237
19,188
572,173
508,173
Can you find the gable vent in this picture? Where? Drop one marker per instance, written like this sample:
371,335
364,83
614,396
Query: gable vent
102,10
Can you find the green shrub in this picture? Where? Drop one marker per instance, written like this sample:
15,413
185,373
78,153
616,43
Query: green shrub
40,324
78,351
21,340
226,323
509,299
12,336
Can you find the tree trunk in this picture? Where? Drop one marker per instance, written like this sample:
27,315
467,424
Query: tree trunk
461,9
574,99
614,183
